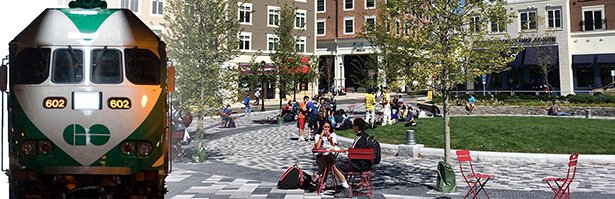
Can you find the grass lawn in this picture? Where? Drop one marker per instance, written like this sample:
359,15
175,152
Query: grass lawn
507,134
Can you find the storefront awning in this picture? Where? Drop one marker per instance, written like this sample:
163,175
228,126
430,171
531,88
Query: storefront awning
518,59
541,55
583,59
605,58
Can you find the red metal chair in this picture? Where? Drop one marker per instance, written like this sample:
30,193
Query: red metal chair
364,177
563,184
474,180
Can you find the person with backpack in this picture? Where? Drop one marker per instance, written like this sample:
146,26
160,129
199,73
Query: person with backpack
246,103
363,140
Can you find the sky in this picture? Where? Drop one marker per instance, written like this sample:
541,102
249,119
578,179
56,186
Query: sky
15,15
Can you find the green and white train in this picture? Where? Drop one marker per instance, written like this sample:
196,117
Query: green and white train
87,106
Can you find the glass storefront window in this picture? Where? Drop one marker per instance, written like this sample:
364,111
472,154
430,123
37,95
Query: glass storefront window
605,74
585,76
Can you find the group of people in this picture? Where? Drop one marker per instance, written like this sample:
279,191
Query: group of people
327,139
392,110
313,114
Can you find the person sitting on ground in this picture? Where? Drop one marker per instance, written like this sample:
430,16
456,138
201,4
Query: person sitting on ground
470,103
288,108
226,116
555,110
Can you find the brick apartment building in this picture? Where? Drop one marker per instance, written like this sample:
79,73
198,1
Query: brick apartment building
343,52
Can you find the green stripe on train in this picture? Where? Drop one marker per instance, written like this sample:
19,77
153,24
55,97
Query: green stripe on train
87,23
152,129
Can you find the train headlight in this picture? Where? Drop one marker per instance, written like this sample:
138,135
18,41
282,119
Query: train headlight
45,147
144,148
127,148
28,147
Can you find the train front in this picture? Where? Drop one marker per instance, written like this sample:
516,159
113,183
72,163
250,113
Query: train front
87,106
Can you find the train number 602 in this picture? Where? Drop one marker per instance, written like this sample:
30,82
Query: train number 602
119,103
54,103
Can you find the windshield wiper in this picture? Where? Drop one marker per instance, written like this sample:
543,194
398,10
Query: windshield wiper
72,54
100,56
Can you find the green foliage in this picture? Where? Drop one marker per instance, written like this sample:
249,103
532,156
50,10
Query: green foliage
559,135
201,36
287,59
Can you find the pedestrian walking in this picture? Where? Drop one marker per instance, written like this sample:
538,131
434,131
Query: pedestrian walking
246,103
257,94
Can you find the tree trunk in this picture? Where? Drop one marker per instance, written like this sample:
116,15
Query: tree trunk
447,127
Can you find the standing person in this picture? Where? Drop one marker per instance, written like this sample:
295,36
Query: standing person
301,115
386,107
257,94
178,124
470,103
370,102
312,117
246,103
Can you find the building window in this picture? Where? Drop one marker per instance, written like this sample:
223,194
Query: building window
245,13
370,22
320,6
271,41
300,44
348,25
593,18
370,4
273,16
348,4
528,20
497,27
157,7
245,38
133,5
554,18
475,24
321,27
300,19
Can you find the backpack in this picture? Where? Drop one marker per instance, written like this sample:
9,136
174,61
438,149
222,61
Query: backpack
373,143
187,119
296,108
292,178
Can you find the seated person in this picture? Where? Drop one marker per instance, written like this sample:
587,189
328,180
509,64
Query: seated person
555,110
225,114
358,126
327,139
288,109
470,103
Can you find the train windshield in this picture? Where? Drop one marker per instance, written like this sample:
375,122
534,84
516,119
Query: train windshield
106,66
32,66
67,66
142,67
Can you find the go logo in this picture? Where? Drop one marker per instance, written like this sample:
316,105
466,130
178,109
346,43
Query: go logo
76,135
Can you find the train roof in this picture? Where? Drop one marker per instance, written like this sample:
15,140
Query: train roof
87,27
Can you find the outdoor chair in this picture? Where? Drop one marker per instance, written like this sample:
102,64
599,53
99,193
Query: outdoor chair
360,182
475,181
561,186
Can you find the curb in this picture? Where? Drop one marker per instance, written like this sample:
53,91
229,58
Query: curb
495,156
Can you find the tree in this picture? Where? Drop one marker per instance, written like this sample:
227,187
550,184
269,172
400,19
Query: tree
442,40
202,36
288,60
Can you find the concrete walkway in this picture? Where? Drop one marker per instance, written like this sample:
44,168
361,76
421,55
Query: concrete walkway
246,162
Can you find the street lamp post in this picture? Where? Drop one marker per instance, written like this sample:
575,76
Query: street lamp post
263,85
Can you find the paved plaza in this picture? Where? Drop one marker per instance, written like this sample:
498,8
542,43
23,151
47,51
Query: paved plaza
246,162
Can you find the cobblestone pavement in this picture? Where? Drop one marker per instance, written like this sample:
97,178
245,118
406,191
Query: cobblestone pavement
268,150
